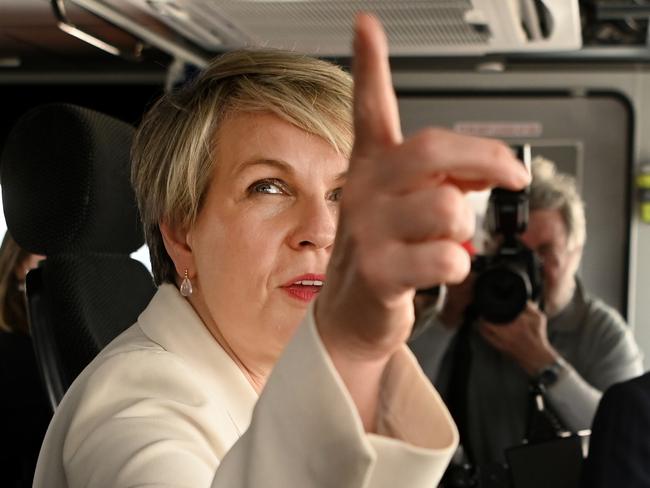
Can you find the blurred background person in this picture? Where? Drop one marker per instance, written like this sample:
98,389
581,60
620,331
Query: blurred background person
571,348
619,448
25,411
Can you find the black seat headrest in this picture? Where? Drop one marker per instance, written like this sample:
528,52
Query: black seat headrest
65,182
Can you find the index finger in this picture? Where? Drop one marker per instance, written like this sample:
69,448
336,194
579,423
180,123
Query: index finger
468,162
376,117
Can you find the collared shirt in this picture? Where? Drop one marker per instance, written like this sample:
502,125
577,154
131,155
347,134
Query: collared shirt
164,405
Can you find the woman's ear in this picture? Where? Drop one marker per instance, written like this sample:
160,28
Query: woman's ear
175,240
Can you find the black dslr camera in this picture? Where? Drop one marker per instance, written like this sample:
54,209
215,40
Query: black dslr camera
511,276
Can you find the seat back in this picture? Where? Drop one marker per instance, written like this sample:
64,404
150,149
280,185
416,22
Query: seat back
66,194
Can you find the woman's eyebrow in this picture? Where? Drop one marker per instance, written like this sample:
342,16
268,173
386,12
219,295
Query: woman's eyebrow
273,163
278,164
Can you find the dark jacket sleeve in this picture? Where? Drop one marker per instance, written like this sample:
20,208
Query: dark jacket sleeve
619,452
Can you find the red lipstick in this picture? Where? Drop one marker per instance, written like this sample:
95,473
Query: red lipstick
304,287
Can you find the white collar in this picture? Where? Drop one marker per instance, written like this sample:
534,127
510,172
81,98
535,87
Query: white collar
171,322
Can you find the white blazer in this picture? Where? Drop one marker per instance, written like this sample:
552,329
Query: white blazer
164,405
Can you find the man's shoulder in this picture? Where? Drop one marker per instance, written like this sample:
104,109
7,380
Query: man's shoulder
605,333
604,340
635,390
622,419
625,403
598,314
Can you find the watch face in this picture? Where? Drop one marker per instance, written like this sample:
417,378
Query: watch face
548,377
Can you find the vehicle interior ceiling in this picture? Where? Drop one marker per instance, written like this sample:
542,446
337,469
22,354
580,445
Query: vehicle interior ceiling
111,42
117,56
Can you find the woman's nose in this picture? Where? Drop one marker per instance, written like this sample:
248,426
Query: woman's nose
315,225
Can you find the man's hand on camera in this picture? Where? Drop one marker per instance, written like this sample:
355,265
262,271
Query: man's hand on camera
524,339
458,298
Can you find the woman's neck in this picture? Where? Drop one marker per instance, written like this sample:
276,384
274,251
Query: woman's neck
256,372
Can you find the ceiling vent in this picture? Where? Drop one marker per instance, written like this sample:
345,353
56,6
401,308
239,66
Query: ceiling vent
414,28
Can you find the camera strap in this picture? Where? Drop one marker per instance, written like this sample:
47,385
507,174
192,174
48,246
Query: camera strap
543,424
459,381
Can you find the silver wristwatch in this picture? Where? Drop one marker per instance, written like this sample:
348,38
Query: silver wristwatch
551,373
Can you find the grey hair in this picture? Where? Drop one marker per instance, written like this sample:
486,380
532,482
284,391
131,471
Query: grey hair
551,190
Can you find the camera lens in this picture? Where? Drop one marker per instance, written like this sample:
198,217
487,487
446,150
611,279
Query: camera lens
501,293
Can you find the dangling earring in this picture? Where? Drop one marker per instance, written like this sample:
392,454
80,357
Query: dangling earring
186,286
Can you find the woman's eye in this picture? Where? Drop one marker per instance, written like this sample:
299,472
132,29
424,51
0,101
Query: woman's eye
335,195
270,187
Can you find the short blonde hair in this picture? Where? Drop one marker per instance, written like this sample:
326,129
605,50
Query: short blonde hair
551,190
174,146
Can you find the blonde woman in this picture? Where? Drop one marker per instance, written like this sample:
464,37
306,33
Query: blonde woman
273,356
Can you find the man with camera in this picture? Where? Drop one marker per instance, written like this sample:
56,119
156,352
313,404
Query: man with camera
561,346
